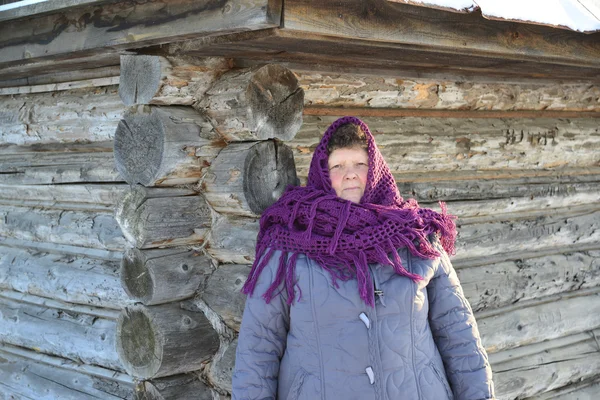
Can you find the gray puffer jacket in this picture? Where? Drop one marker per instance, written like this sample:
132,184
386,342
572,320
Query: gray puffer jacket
419,342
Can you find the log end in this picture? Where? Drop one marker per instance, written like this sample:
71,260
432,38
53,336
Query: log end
135,277
275,103
269,170
138,346
140,78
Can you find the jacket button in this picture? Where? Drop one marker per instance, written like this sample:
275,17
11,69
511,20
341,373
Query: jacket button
371,375
363,317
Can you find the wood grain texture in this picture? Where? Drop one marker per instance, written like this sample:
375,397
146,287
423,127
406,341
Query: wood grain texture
163,276
69,333
79,228
221,367
246,178
26,374
81,115
164,340
151,218
164,146
113,27
233,239
57,78
63,277
179,387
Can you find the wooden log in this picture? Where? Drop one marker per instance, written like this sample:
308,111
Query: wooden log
255,104
28,374
233,239
530,230
248,177
152,218
89,114
57,78
167,81
180,387
162,276
65,249
368,91
90,197
221,367
164,340
584,390
222,293
542,319
164,146
79,228
80,333
63,277
504,283
410,144
551,368
55,87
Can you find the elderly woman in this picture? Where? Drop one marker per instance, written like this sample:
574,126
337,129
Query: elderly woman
352,294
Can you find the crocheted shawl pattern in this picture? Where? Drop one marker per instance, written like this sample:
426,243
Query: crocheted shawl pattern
341,236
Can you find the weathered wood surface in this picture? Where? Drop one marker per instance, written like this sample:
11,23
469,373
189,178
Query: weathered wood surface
162,276
527,231
180,387
35,164
66,249
255,104
440,33
26,374
152,218
72,332
62,277
78,228
221,367
246,178
505,283
351,90
86,31
92,197
58,78
538,320
498,184
164,340
552,367
55,87
90,114
584,390
222,293
233,239
447,144
164,146
167,81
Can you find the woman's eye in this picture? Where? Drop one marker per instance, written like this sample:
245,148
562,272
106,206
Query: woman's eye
334,167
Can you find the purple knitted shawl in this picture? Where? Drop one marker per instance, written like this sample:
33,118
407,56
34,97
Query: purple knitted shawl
341,236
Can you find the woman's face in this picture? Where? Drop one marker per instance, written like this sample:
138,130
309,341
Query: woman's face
348,168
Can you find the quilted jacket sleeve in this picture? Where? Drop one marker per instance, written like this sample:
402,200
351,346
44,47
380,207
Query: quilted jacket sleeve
457,337
262,341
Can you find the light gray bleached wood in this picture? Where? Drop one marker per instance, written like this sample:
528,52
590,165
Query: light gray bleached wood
419,144
151,217
255,104
221,367
369,91
81,228
167,81
531,230
49,164
222,293
498,184
246,178
504,283
549,369
180,387
31,375
74,75
62,277
543,319
55,87
164,340
66,197
70,333
162,276
89,114
584,390
233,239
164,146
53,248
